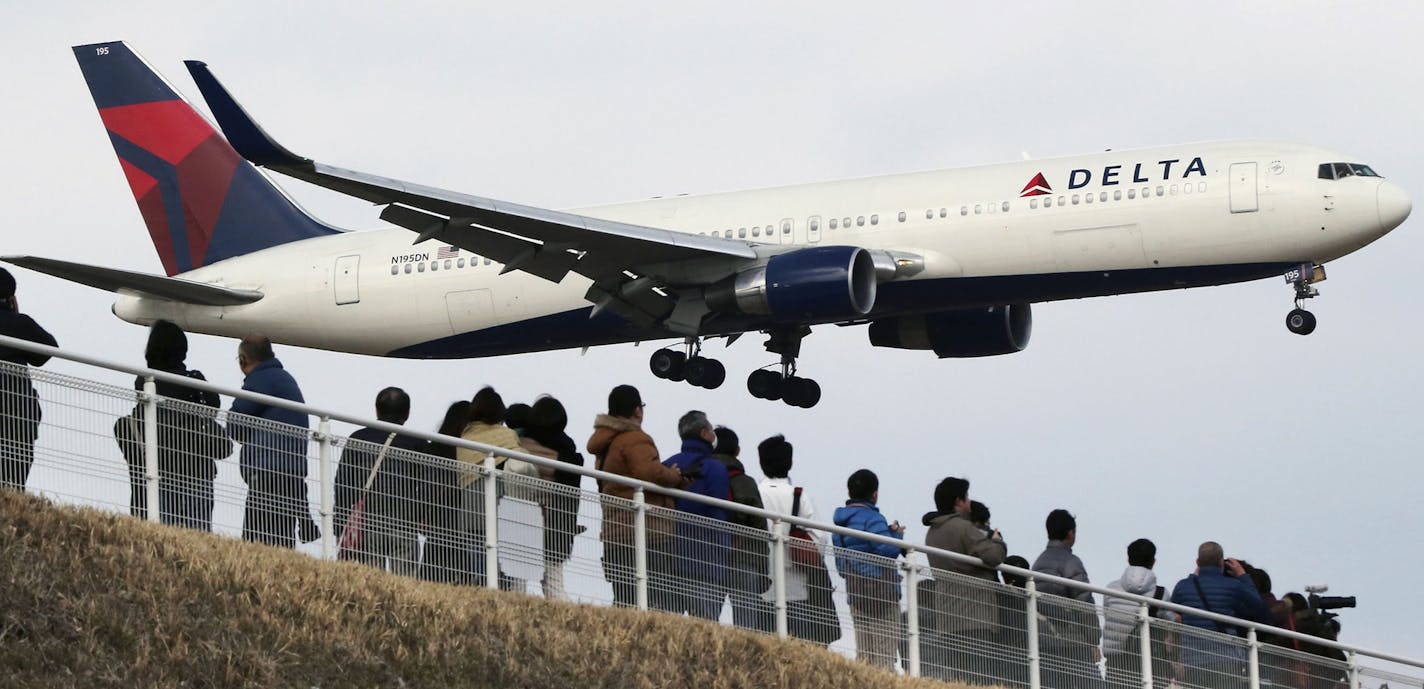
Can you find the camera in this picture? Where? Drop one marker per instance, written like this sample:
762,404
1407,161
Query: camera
1321,603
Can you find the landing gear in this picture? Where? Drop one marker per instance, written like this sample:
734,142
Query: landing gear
691,366
1303,277
785,385
1300,322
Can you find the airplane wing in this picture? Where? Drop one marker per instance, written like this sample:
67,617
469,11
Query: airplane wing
128,282
620,258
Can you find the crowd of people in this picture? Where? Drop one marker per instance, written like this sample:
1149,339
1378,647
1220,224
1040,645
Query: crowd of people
422,509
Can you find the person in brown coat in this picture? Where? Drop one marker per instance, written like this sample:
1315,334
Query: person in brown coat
621,447
967,613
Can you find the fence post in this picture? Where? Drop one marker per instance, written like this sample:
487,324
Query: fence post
491,524
1031,629
912,617
150,446
640,547
1253,658
1144,641
328,489
778,576
1354,666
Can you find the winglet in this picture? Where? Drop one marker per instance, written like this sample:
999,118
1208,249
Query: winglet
241,130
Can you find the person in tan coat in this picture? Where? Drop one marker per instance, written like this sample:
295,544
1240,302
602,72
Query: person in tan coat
621,447
486,426
967,612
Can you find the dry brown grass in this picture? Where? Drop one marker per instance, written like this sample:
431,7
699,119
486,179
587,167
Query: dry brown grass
90,599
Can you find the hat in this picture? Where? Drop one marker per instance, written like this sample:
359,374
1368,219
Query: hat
7,284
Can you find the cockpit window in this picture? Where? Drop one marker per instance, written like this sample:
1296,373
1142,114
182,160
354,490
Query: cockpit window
1343,170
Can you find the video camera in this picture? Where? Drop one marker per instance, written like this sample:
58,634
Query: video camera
1322,605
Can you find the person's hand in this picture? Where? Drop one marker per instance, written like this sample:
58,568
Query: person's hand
996,535
897,527
1234,568
1097,655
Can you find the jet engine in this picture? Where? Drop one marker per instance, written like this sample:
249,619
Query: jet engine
961,333
818,284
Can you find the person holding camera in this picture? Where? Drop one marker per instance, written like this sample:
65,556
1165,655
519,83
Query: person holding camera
1220,585
19,405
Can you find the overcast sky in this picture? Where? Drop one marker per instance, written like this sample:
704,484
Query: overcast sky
1179,416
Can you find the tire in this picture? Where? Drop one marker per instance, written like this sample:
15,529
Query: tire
667,364
764,384
810,393
713,374
695,371
1300,322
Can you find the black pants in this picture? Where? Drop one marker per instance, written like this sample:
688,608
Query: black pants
276,504
620,569
17,451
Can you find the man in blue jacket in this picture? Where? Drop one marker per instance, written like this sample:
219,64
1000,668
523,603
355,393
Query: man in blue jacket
1222,586
703,543
274,459
872,584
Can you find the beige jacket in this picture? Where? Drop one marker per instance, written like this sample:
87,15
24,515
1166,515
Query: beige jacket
489,434
965,606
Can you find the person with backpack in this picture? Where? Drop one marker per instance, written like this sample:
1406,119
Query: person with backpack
702,545
872,583
810,609
746,573
1122,636
190,441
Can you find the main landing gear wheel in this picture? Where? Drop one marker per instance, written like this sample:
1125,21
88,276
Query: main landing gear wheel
1300,322
705,373
764,384
668,364
800,392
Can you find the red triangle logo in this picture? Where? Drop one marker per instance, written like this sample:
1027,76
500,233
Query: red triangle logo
1038,186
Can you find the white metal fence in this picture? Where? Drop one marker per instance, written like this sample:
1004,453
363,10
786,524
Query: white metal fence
403,502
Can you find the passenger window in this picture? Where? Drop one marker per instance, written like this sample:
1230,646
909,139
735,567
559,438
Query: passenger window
964,210
756,231
1159,190
1174,190
1033,202
978,208
1103,197
1187,188
460,263
1088,198
487,261
1201,187
860,221
407,269
395,270
943,212
742,233
814,222
1146,192
929,214
786,226
1117,194
1132,193
902,216
834,223
1062,201
447,264
420,268
846,222
1075,199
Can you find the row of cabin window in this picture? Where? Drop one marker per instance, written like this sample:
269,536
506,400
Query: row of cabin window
1117,195
450,264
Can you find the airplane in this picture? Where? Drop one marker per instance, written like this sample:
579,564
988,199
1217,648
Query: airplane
946,261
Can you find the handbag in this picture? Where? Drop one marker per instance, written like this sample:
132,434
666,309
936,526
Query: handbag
353,536
801,550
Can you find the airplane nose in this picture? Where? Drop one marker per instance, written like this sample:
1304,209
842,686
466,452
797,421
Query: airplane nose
1394,206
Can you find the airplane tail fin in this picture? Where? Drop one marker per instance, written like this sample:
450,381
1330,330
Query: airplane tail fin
201,201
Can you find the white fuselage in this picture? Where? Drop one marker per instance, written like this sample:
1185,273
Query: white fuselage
1180,207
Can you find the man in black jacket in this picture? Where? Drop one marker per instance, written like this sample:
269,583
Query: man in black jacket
388,518
19,405
747,574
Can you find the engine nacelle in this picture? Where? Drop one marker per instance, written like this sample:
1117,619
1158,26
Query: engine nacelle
958,334
818,284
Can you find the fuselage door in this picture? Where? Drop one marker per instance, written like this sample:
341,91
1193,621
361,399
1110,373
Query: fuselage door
470,310
348,289
1243,188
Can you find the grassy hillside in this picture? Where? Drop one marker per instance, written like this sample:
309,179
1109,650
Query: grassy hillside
89,599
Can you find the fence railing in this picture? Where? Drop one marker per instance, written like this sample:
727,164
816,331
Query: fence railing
453,511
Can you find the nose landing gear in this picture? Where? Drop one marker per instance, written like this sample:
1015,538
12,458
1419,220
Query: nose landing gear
1303,278
689,366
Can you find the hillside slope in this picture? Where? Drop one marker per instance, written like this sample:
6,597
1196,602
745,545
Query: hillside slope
91,599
